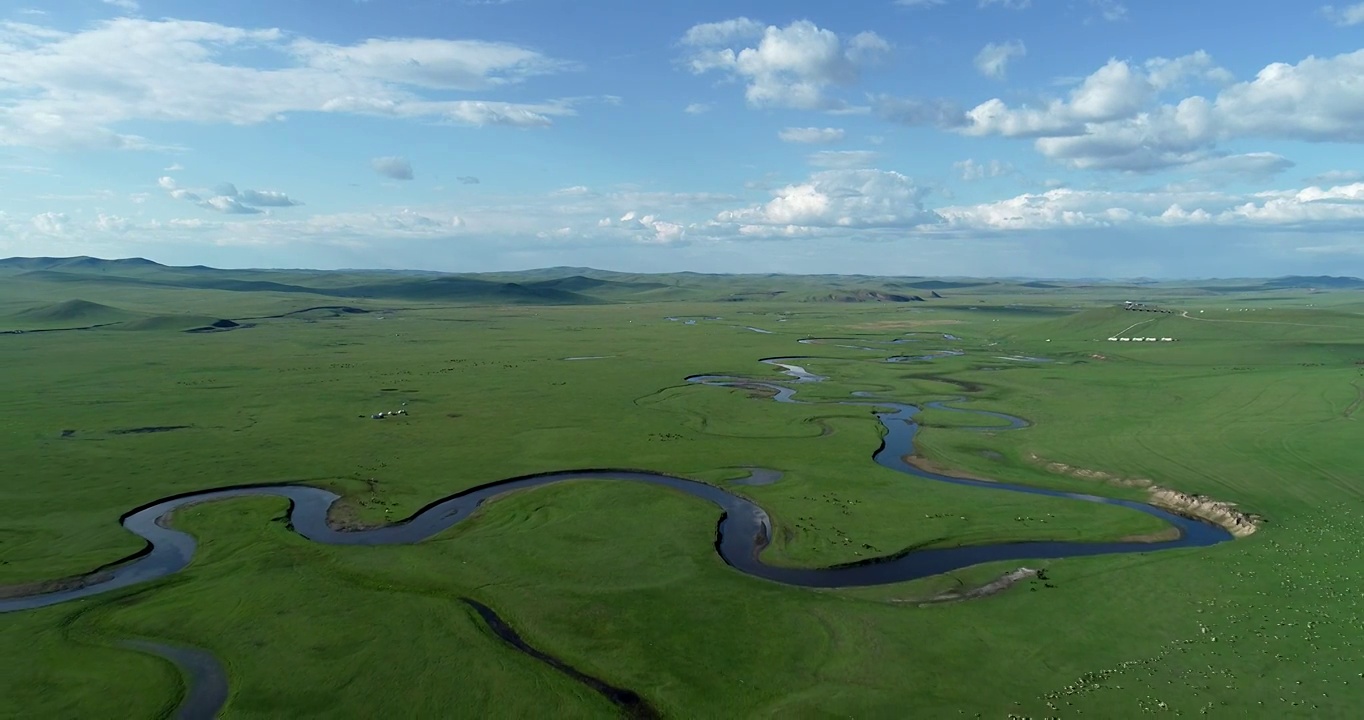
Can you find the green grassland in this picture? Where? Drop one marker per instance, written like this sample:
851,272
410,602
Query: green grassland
622,581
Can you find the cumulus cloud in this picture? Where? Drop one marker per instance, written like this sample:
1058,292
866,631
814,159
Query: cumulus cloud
696,109
112,223
226,198
1113,119
788,67
811,135
834,199
396,168
77,88
50,223
993,60
1340,207
647,229
1344,16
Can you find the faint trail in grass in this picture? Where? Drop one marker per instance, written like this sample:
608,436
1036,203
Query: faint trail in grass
1187,316
1350,411
1133,325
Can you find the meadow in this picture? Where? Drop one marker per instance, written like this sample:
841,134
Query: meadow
622,582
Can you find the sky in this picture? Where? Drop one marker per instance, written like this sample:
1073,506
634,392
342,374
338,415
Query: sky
1039,138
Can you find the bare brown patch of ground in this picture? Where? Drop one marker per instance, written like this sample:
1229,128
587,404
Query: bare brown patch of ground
1165,535
50,586
348,511
994,587
1237,522
937,468
1084,474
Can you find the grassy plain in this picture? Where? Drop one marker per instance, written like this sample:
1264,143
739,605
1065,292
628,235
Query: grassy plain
622,581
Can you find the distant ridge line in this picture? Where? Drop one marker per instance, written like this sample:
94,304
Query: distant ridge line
85,262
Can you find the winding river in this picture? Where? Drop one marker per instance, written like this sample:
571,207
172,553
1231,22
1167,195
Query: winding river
743,531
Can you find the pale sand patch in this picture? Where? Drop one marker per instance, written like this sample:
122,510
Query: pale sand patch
1237,522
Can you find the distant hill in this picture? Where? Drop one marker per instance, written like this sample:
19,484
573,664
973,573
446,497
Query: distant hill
95,277
71,313
81,263
431,288
1320,281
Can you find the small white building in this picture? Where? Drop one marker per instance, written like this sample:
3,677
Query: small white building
1112,339
1137,339
1167,339
1124,339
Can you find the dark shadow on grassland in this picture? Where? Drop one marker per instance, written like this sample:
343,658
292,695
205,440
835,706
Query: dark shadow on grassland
630,703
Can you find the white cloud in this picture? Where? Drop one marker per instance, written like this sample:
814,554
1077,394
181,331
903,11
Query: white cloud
834,199
725,32
428,63
75,88
226,198
112,223
1247,166
1336,177
843,159
646,229
173,167
993,60
396,168
124,5
1112,120
1319,99
50,223
790,67
1344,16
696,109
1341,206
266,198
971,170
229,205
811,135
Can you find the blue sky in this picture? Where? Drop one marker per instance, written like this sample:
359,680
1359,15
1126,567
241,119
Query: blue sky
1051,138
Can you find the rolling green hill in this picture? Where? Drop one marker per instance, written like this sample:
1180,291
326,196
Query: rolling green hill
69,313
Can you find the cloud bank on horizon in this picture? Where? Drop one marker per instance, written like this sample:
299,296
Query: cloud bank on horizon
964,137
